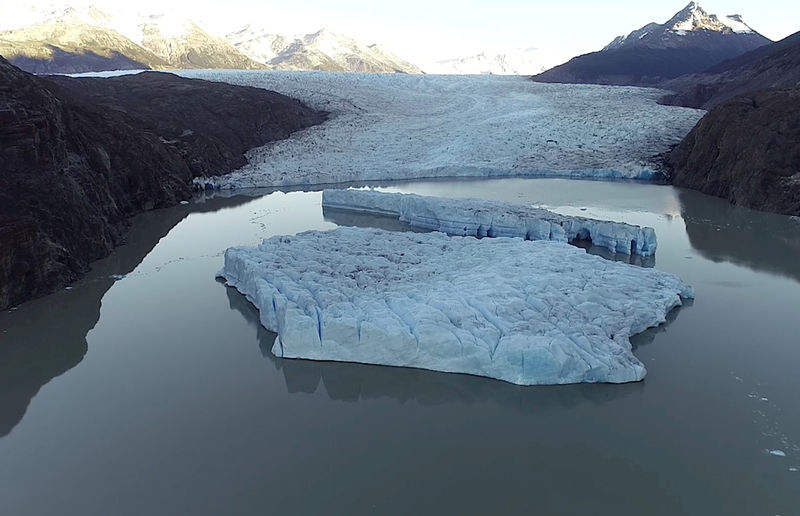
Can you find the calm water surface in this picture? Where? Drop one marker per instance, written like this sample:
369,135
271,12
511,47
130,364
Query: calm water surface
148,387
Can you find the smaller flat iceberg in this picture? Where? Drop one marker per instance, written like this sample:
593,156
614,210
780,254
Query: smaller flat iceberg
482,218
527,312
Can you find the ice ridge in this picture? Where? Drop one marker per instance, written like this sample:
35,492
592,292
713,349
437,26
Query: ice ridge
482,218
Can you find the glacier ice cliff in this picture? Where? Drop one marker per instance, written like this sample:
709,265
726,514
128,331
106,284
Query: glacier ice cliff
527,312
482,218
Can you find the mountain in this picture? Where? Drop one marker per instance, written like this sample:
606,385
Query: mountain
772,66
69,41
258,45
82,155
183,44
322,50
527,61
88,39
689,42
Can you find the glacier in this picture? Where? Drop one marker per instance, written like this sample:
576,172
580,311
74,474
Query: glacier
482,218
526,312
396,127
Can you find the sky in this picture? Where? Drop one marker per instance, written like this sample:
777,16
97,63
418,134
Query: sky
423,31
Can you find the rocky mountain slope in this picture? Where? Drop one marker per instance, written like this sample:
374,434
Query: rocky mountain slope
78,40
72,46
81,39
689,42
747,151
772,66
183,44
322,50
80,156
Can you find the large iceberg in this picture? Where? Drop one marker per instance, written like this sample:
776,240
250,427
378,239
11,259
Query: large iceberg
482,218
398,126
527,312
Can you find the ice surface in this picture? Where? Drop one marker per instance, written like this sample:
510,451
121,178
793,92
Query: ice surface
400,126
527,312
480,218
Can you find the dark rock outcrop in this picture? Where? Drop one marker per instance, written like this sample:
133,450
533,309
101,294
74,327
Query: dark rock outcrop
747,151
648,67
78,157
772,66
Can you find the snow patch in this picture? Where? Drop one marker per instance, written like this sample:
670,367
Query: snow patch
737,24
520,311
480,218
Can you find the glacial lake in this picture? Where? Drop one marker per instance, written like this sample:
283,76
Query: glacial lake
148,387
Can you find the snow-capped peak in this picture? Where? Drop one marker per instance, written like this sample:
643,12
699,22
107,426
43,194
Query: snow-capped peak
523,61
693,18
321,50
737,24
331,43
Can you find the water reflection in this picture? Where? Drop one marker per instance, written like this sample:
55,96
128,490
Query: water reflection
756,240
37,346
367,220
649,335
343,381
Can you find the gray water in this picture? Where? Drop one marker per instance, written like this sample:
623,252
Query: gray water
155,393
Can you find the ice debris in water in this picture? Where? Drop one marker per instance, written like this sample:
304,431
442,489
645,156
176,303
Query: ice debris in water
527,312
777,453
482,218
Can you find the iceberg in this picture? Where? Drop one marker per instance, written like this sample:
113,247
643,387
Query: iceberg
526,312
482,218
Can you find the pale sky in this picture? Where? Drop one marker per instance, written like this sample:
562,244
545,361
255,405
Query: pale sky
422,31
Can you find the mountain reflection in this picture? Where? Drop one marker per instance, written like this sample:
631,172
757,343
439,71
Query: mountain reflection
756,240
47,337
345,381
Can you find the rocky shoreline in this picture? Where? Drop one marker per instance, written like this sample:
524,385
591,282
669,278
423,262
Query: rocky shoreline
80,156
747,151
